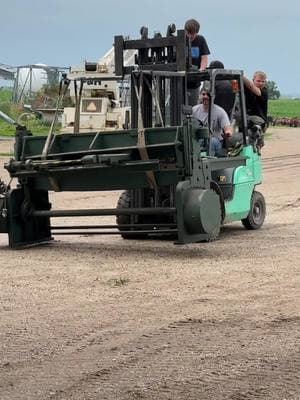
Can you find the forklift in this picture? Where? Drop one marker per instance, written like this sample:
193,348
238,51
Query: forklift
172,184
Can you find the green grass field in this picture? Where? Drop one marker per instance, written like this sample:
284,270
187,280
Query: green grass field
284,108
35,126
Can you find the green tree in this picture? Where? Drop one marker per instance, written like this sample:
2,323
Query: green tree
273,91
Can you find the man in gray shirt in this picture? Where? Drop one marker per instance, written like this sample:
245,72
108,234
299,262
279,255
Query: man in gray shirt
220,121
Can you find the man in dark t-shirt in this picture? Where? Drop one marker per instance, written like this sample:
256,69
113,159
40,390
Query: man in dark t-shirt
256,95
199,55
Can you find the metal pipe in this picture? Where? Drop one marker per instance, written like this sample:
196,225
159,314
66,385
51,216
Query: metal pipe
7,119
137,232
106,211
58,227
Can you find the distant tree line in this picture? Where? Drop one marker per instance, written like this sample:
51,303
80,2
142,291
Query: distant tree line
273,91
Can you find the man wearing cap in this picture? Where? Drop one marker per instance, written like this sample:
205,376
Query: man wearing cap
224,96
219,120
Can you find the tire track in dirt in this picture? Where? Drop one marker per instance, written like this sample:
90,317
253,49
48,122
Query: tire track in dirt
281,157
290,204
185,360
281,162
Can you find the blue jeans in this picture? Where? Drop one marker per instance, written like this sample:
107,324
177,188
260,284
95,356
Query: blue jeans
215,146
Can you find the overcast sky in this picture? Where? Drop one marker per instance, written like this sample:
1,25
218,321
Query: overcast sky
248,35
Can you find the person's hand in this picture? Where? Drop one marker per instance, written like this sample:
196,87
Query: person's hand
228,133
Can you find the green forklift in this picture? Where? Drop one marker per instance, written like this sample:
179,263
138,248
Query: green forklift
172,184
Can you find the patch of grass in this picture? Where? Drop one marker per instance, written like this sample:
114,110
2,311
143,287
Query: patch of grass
268,135
6,154
5,95
39,128
117,281
35,126
14,111
6,129
284,108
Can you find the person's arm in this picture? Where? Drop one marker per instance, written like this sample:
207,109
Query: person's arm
204,62
250,85
225,123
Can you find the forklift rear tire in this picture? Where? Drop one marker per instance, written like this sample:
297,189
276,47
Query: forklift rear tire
257,212
124,202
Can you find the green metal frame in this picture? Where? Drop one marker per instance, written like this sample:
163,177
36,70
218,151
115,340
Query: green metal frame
114,163
246,178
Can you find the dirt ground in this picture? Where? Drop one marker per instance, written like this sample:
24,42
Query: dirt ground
104,318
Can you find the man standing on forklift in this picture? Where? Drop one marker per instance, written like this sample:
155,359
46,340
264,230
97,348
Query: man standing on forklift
199,54
256,95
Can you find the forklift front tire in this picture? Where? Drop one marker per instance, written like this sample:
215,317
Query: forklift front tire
257,213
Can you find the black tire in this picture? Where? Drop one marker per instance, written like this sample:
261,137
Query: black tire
257,213
124,202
